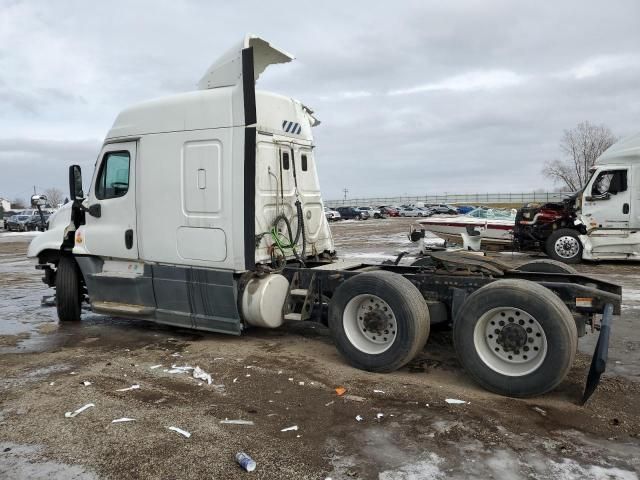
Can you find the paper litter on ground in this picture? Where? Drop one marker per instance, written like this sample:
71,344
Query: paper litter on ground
202,375
176,369
132,387
290,429
86,384
153,367
226,421
359,418
123,419
454,401
78,411
184,433
378,391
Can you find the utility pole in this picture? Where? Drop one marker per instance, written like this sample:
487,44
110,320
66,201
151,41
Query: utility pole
345,190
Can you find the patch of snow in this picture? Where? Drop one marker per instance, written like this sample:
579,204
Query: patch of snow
422,469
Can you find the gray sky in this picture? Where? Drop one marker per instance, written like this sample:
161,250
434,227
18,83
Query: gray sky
414,97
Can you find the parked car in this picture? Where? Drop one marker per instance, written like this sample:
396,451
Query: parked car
35,222
412,212
373,212
349,213
18,223
332,215
443,208
389,211
464,209
6,216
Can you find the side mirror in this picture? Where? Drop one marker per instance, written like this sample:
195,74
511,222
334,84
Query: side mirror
38,201
75,182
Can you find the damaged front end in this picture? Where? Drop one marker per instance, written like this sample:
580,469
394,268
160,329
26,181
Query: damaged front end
535,223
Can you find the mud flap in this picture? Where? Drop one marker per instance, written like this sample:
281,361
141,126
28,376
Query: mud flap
599,360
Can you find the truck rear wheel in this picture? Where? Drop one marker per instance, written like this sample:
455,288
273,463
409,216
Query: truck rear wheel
68,290
546,265
378,320
564,245
515,338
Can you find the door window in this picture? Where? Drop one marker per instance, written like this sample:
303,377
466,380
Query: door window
113,179
609,182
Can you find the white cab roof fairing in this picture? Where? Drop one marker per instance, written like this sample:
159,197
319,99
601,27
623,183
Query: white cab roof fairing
623,151
227,70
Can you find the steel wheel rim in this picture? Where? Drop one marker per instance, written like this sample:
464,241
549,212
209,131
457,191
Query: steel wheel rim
370,324
510,341
567,246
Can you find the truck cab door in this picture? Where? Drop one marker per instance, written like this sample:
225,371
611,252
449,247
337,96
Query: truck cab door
110,229
607,200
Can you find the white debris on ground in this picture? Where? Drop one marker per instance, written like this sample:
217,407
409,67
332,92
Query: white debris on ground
132,387
123,420
202,375
454,401
182,432
176,369
86,384
290,429
359,418
226,421
79,410
153,367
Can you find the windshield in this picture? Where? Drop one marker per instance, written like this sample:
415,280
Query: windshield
494,213
22,218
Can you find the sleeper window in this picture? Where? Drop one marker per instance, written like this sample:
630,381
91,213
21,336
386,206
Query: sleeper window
113,180
285,161
304,163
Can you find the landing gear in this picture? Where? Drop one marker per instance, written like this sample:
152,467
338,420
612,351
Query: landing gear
379,321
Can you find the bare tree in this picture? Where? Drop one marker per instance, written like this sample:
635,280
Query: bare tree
581,146
54,196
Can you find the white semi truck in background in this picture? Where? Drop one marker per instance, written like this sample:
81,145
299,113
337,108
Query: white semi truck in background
243,241
601,222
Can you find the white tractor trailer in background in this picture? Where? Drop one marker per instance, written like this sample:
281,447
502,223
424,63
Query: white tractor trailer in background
243,241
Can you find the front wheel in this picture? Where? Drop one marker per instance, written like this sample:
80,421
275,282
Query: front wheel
564,245
68,290
515,338
379,321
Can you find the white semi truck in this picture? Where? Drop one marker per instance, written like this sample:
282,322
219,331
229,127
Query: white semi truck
601,222
204,211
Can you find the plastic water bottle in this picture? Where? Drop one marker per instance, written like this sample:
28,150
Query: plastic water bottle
245,461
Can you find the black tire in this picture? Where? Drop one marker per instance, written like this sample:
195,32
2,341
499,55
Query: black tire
546,265
560,237
405,303
68,290
533,301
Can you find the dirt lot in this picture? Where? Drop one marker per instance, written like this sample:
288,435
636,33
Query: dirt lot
284,378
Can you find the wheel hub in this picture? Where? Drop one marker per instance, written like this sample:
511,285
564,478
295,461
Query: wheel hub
567,247
510,341
375,321
370,323
512,337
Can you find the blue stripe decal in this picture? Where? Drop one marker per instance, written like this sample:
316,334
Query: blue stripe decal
284,122
289,127
299,129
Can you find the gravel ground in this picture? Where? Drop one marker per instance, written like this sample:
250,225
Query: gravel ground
286,377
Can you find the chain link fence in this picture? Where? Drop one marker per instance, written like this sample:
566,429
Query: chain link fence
456,199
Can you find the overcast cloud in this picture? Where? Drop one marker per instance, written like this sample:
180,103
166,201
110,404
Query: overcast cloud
414,97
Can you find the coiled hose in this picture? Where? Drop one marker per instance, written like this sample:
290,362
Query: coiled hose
283,243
